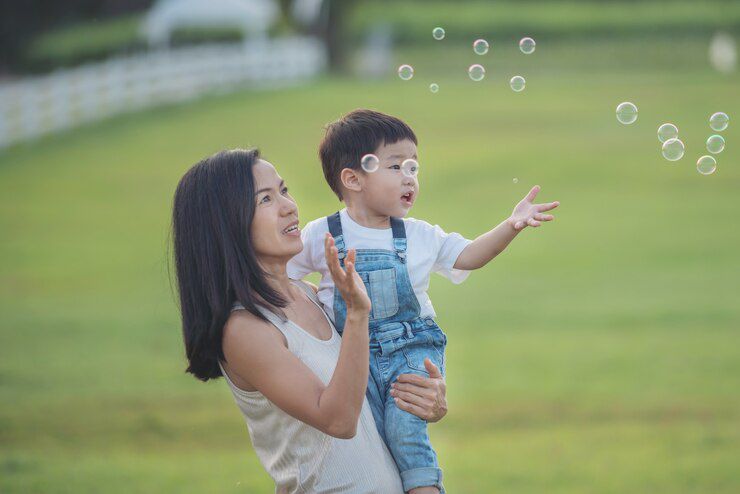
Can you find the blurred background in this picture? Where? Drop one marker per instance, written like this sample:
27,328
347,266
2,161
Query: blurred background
600,353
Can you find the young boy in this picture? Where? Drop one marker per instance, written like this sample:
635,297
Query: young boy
395,257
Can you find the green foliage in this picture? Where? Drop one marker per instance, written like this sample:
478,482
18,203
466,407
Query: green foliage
91,40
412,20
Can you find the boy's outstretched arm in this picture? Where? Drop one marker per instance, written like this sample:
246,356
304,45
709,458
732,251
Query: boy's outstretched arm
492,243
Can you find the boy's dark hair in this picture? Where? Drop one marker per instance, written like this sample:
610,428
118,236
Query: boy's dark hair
356,134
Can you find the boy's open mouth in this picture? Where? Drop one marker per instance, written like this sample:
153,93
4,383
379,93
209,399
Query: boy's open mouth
408,198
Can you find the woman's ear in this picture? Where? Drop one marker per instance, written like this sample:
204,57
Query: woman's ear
351,179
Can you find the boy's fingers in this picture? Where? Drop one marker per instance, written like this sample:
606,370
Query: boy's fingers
543,217
533,193
518,225
547,206
533,222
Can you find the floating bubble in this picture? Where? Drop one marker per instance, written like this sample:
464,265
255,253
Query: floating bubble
438,33
476,72
370,163
719,121
434,87
667,131
706,165
405,72
527,45
673,149
626,113
480,46
517,83
715,144
516,180
410,167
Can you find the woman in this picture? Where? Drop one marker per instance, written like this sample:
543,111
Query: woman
300,387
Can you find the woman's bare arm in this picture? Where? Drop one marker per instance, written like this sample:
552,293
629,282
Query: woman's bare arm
256,352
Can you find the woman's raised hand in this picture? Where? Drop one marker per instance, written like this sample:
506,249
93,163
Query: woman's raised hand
346,280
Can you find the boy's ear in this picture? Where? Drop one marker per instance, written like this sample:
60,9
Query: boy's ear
350,179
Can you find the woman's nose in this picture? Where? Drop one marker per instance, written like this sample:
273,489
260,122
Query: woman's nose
289,206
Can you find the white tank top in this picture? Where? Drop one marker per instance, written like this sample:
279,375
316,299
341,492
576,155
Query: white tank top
300,458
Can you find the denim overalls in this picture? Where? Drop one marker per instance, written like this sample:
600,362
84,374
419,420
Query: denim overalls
399,342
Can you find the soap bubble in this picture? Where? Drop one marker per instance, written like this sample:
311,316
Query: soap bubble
434,87
480,46
673,149
706,165
370,163
438,33
410,167
517,83
715,144
719,121
516,180
405,72
476,72
527,45
667,131
626,113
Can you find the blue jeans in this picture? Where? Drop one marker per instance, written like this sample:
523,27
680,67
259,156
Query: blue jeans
400,348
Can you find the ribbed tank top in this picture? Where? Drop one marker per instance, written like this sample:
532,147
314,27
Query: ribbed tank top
300,458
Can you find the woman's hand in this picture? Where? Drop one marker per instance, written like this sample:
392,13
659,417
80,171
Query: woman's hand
346,280
425,397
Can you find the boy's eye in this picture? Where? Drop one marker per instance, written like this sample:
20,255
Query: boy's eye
395,167
285,190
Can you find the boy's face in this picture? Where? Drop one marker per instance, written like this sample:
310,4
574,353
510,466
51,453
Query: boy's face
387,191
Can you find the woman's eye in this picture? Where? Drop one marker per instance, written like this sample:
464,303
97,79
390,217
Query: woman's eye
265,199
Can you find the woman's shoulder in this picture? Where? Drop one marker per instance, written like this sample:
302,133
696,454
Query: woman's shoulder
245,330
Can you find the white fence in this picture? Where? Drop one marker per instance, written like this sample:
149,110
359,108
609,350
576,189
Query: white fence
33,107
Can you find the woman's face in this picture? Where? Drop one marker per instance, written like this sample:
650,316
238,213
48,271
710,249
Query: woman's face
274,231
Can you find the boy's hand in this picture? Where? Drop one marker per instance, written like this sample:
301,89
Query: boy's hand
526,213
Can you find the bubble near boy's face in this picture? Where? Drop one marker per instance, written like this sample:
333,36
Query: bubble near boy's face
392,189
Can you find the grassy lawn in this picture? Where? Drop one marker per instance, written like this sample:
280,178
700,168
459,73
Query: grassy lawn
600,353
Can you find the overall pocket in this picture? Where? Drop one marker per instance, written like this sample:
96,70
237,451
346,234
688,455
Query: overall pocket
427,344
381,288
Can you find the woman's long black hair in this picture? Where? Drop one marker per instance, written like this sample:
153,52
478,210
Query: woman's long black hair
213,253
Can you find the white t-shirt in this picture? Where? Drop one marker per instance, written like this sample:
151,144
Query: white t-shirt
429,249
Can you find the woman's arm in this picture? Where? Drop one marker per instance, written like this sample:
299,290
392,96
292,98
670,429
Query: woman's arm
256,351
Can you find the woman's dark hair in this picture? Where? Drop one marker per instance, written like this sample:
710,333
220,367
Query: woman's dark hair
214,256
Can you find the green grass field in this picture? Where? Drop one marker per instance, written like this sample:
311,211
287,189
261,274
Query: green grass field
600,353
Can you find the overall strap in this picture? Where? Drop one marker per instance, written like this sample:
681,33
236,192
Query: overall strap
399,238
335,228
